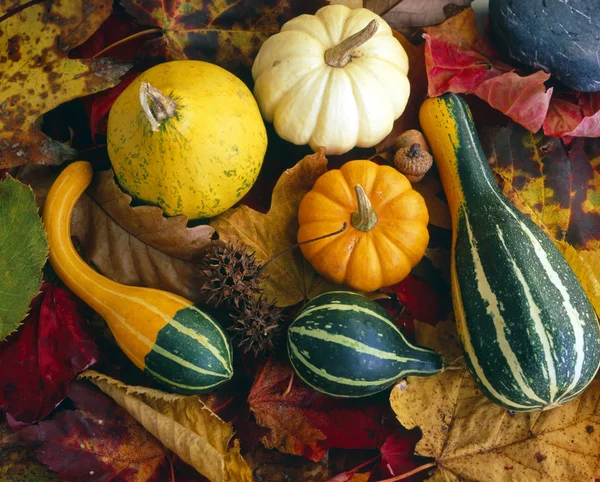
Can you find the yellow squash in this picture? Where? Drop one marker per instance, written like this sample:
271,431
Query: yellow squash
186,136
163,334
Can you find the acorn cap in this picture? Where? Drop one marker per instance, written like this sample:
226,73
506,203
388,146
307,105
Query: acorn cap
413,162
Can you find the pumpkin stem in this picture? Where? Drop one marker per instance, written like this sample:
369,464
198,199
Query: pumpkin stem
341,54
365,218
157,106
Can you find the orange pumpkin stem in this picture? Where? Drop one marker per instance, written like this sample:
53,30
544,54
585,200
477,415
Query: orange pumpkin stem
157,106
365,218
341,54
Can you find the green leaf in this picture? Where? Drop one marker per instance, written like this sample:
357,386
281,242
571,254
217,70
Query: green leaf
23,253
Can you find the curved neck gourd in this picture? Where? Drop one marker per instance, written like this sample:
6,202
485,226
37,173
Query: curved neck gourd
96,290
174,342
529,333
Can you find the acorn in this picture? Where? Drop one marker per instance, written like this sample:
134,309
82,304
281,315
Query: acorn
412,157
408,138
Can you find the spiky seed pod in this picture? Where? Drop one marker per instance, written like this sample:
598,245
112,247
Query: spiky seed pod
258,326
233,274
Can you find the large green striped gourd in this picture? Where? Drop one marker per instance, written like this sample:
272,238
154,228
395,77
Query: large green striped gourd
174,342
529,333
345,345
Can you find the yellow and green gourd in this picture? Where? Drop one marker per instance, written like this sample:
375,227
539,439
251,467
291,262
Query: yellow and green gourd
165,335
529,333
186,136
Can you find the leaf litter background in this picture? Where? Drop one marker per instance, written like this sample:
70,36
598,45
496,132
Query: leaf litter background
265,404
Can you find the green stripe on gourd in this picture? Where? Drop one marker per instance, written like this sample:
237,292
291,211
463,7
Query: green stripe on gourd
191,353
345,345
529,333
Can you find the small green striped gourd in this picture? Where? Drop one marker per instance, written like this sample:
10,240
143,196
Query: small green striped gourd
529,333
345,345
174,342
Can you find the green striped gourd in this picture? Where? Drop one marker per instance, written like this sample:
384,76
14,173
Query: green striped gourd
174,342
345,345
529,333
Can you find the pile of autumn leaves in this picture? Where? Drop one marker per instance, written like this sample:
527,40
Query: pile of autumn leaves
131,432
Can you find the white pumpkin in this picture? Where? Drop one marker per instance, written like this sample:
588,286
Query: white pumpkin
336,79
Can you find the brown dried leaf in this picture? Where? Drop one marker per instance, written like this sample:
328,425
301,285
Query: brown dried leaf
36,74
274,466
380,7
473,439
136,246
290,278
420,13
184,424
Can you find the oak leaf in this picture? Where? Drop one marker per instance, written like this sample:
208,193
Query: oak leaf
96,442
471,438
133,245
290,278
459,60
218,31
23,253
184,424
38,362
37,74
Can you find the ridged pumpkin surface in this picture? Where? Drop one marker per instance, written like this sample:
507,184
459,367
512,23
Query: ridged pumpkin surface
364,260
202,160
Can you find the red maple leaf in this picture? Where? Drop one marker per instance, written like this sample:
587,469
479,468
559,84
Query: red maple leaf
99,441
398,454
49,350
306,422
574,115
420,301
459,60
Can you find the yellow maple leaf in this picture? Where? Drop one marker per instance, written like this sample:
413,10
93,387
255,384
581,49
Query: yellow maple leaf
184,424
290,278
36,74
471,438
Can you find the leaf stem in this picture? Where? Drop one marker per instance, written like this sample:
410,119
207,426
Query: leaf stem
412,472
341,230
172,468
289,387
127,39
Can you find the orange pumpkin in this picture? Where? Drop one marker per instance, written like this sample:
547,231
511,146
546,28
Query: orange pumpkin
386,232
